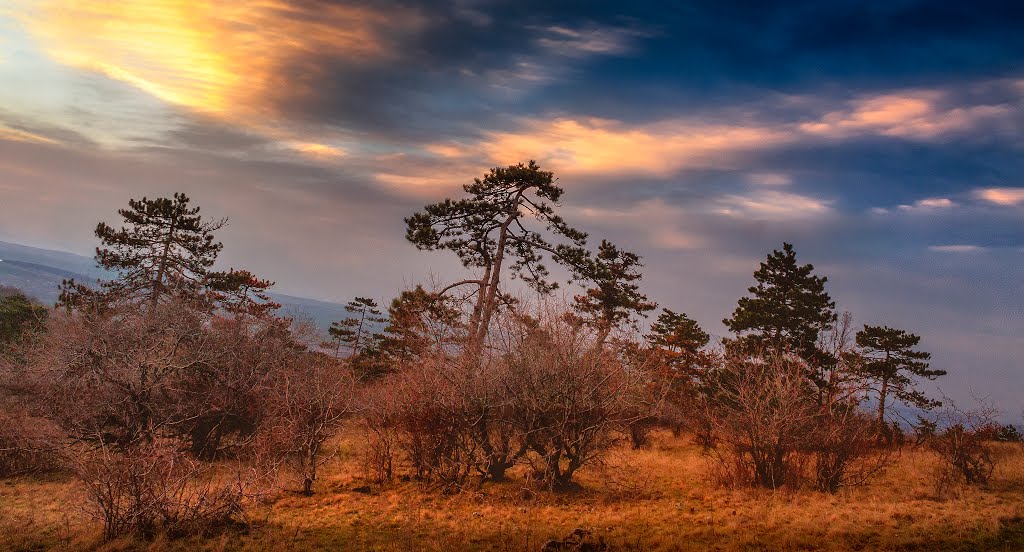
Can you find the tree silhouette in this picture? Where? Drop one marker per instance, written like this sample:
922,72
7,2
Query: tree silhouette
890,359
501,221
164,248
789,307
614,296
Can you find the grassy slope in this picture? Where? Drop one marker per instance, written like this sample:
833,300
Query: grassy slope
663,501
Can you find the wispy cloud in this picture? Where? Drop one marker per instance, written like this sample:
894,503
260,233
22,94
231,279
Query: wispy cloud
929,204
7,133
956,248
773,205
914,114
658,221
590,40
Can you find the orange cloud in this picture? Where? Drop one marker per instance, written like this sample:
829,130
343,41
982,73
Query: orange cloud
916,114
216,57
600,146
16,135
1002,196
316,149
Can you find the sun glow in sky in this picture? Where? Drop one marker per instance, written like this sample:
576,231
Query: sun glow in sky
886,142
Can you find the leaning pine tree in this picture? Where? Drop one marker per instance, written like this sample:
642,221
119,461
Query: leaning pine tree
891,360
503,226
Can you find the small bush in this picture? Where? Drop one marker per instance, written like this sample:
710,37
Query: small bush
28,444
155,489
964,446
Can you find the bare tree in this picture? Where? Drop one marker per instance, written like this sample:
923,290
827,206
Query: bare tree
308,402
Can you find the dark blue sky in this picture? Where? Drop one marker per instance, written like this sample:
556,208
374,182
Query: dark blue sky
884,139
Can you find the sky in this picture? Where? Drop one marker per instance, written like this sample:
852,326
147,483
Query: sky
883,138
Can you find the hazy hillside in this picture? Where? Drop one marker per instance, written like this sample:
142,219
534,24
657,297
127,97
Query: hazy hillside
39,272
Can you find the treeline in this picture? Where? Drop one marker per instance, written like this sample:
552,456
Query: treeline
178,395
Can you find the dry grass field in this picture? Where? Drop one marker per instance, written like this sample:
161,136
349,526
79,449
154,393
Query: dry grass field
661,498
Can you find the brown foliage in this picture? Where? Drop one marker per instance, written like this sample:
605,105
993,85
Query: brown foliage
767,427
544,393
963,446
154,488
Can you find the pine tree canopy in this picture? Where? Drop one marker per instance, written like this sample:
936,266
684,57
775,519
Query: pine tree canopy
615,296
164,247
788,308
891,360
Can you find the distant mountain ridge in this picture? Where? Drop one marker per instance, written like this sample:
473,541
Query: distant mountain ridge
38,272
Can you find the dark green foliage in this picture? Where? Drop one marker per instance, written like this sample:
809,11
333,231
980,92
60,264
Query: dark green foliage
677,334
789,307
891,361
615,297
500,222
18,315
240,292
1008,434
164,248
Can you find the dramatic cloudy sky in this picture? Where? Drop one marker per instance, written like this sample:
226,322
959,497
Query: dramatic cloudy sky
884,139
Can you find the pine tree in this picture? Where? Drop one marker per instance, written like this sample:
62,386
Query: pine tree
891,360
498,229
164,248
240,292
678,337
417,322
615,297
789,307
356,332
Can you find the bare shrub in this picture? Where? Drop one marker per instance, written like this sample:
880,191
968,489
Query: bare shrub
28,444
845,447
112,377
543,392
153,488
570,397
768,427
431,420
308,402
962,444
760,414
220,403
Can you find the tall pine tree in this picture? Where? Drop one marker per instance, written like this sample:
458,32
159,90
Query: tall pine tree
505,226
164,248
788,308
